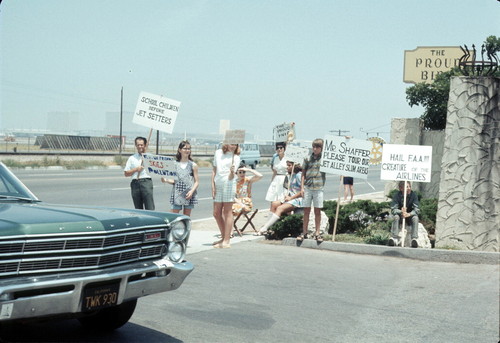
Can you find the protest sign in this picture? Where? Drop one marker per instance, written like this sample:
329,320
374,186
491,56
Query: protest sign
234,137
156,112
346,156
296,154
281,132
159,165
406,163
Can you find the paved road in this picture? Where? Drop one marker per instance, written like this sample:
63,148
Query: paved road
108,187
258,292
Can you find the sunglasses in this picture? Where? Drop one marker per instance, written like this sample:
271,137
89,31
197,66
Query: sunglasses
280,147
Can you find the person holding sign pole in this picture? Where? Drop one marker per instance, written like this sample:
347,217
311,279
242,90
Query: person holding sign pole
313,182
184,195
404,208
141,185
276,192
293,197
225,162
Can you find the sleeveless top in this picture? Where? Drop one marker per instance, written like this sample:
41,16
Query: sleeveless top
183,184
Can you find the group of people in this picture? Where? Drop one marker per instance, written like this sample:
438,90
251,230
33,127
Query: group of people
293,186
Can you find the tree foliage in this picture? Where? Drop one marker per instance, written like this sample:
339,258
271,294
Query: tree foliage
434,96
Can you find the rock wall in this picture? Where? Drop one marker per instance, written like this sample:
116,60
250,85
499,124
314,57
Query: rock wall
436,140
469,193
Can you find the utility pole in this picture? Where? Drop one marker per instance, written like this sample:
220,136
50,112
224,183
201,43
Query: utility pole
121,122
339,131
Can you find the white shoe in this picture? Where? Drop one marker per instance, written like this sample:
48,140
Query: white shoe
393,242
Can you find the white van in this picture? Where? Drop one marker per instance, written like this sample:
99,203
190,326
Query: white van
250,154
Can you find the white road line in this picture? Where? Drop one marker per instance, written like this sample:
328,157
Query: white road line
370,185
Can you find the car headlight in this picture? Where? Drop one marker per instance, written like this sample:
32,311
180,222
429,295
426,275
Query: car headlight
176,251
179,230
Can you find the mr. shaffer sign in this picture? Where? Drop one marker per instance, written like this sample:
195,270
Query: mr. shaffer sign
424,63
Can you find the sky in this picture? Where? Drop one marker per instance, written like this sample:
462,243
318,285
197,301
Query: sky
325,65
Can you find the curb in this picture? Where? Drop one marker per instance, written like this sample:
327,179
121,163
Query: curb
430,255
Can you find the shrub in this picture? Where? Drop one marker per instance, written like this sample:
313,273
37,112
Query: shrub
287,226
378,237
428,210
120,160
372,211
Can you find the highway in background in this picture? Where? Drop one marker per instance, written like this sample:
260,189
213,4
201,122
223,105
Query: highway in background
108,187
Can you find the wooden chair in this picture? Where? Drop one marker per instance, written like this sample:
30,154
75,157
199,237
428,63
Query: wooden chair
248,216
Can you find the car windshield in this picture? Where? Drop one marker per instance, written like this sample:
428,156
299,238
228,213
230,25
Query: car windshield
11,188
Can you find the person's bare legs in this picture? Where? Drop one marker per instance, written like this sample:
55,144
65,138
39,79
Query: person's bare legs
219,220
187,212
305,222
227,213
317,220
351,188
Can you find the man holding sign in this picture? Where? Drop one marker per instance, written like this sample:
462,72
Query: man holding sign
403,214
141,185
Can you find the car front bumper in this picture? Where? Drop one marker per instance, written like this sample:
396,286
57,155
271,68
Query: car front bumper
27,297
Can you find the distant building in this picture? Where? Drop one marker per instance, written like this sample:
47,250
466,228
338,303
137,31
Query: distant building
224,125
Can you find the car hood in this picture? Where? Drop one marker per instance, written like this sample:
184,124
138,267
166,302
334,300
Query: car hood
43,218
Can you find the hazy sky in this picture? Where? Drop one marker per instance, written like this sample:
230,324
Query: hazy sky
326,65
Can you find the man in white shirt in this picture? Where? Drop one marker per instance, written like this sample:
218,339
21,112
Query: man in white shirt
141,185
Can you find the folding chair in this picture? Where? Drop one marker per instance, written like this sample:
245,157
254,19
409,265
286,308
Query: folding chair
249,216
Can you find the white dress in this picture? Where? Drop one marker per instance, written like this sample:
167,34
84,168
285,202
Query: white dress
276,191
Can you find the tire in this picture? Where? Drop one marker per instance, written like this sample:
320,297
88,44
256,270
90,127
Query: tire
109,319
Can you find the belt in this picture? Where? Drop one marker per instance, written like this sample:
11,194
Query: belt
142,179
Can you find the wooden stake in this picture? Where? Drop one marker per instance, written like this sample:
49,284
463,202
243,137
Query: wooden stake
337,212
403,225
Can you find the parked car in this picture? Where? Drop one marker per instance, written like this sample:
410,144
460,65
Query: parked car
88,263
250,154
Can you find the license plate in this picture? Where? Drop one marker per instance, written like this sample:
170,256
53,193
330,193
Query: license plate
97,297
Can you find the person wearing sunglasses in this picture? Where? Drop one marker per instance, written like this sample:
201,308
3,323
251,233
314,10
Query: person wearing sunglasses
243,199
276,192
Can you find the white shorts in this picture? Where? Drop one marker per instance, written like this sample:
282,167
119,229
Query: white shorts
225,191
314,198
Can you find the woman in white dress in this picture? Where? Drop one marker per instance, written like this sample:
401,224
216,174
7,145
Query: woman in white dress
276,191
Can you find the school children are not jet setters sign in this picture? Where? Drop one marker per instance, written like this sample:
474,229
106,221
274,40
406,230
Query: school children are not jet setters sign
156,112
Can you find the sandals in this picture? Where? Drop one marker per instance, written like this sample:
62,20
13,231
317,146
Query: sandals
318,238
301,237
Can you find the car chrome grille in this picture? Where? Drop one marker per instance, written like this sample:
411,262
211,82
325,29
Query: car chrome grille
61,253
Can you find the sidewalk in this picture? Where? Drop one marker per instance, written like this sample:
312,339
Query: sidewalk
205,231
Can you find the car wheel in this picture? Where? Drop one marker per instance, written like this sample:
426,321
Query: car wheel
111,318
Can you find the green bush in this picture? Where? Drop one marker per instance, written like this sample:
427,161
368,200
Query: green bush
287,226
120,160
12,164
428,210
376,211
377,237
